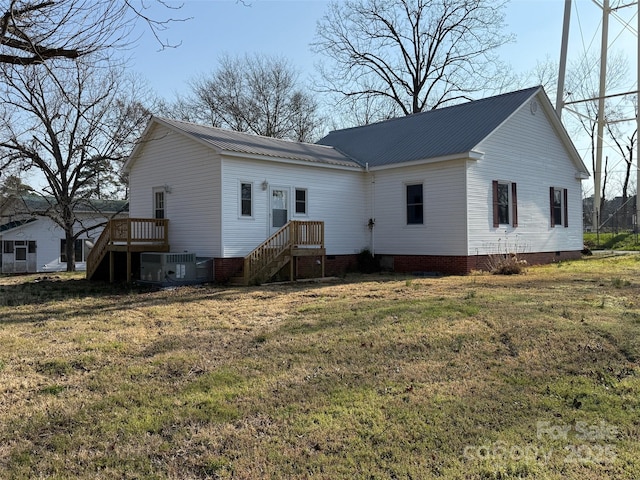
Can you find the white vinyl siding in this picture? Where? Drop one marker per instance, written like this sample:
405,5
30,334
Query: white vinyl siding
527,151
191,172
333,196
443,230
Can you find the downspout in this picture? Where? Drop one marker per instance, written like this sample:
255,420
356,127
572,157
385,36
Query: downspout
372,219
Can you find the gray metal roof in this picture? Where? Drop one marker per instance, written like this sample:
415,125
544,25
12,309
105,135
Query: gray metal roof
15,224
436,133
229,141
38,204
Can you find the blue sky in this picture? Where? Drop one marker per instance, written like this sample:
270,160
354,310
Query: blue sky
286,28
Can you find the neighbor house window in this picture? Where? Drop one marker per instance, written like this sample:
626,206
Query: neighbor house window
158,203
246,202
505,204
20,250
414,205
301,201
77,250
558,207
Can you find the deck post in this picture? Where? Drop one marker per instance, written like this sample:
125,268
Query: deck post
128,265
291,264
112,266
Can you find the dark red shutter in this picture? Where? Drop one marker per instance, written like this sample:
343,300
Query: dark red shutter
566,207
551,206
514,201
496,219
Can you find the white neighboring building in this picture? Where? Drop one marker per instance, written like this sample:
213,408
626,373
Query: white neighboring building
435,191
33,243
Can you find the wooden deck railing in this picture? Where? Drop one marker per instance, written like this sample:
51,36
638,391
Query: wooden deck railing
125,232
295,233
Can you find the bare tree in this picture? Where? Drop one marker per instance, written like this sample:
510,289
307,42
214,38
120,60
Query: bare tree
257,94
419,54
36,31
75,129
582,91
625,145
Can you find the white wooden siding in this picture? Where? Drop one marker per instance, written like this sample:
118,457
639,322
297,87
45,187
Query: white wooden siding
444,228
193,202
336,197
527,151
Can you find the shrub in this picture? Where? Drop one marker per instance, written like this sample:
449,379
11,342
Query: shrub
506,264
367,262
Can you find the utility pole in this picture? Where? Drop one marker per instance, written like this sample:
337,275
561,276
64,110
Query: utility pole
602,96
602,92
563,58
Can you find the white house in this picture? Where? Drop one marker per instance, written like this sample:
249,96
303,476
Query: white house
32,242
434,191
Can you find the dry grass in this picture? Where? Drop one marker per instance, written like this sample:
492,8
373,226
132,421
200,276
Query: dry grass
367,377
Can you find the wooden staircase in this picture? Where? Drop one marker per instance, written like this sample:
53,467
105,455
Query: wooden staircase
120,240
295,239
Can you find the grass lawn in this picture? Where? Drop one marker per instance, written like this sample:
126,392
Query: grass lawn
612,241
376,377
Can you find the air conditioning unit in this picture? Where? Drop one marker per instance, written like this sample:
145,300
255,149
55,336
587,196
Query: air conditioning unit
168,268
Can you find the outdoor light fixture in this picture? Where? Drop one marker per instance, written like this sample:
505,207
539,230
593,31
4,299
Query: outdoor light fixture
167,188
265,184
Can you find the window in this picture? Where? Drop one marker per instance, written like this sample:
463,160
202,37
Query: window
414,204
558,207
158,203
301,201
19,248
21,251
505,204
246,195
77,250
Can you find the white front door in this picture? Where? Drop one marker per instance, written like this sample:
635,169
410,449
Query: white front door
279,208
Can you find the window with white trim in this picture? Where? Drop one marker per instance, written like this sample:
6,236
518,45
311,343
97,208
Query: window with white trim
158,203
505,204
78,250
246,199
558,210
415,204
301,201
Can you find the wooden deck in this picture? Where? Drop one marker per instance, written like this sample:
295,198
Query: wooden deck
118,249
121,239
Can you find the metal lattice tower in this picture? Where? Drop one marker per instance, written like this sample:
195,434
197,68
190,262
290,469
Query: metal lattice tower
602,96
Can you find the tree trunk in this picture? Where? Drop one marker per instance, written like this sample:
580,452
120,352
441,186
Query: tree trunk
70,249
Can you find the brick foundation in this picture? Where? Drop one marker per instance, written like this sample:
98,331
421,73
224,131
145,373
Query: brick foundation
336,265
225,268
464,264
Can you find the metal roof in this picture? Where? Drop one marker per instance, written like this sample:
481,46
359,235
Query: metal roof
432,134
15,224
229,141
39,204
